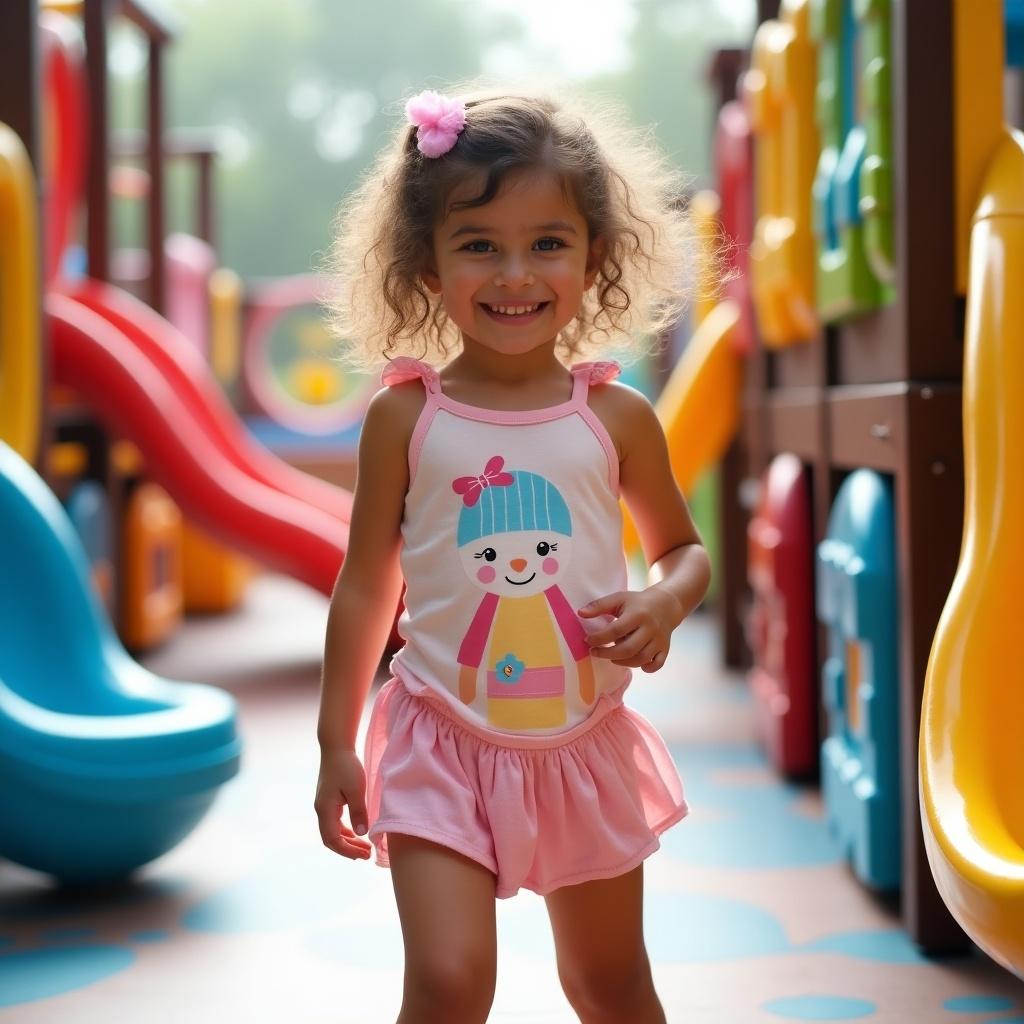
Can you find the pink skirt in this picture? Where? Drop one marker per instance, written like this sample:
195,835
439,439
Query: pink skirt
539,812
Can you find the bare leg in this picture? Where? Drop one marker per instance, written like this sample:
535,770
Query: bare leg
602,960
446,904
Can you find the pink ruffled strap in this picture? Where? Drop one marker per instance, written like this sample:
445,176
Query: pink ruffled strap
403,368
598,372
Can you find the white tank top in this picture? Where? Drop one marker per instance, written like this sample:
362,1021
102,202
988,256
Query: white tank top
511,523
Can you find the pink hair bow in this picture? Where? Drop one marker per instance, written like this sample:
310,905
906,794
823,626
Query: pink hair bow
438,121
471,487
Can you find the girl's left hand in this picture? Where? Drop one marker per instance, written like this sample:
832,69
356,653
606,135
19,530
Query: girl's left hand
641,632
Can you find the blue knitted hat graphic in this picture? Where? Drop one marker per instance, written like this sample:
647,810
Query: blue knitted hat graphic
500,501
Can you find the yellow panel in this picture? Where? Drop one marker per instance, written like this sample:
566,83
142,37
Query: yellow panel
972,715
704,211
214,576
126,458
779,91
699,406
978,48
68,459
854,669
20,356
225,323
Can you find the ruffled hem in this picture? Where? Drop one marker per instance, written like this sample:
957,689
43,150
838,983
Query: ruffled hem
537,818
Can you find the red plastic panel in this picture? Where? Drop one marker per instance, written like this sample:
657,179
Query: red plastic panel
781,622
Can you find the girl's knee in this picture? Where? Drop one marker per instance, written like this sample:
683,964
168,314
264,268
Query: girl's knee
609,992
451,988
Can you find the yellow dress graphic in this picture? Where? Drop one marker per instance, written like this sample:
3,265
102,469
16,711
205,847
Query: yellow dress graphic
523,629
514,537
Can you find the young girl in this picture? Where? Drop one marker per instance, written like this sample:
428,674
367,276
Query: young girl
501,238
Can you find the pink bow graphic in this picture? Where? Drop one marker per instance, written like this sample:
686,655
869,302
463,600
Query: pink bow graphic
471,487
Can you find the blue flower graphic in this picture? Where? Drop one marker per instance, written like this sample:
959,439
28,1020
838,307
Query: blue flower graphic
509,669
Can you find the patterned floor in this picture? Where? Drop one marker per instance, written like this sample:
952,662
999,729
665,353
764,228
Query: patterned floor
749,914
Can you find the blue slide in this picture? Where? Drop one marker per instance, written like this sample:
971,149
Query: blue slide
103,765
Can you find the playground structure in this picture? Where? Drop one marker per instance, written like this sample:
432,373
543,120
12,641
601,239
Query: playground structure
863,319
133,762
861,256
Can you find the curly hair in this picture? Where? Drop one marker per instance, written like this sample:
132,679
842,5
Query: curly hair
621,183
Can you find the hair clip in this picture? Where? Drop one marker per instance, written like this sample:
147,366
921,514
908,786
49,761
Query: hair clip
438,121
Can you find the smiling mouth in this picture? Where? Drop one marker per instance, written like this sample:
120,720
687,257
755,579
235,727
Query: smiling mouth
514,313
519,583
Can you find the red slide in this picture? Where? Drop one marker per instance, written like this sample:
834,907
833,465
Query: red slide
187,373
144,381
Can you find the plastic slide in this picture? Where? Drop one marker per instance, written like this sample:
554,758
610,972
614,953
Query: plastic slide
186,372
971,757
105,765
699,407
144,392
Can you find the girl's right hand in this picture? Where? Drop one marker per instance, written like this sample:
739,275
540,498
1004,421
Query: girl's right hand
342,781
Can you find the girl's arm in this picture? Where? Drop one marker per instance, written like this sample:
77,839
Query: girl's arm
369,585
680,571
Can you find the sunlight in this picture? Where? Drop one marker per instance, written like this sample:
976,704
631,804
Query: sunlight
582,38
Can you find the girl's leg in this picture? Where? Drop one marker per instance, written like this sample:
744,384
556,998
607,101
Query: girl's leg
599,942
446,903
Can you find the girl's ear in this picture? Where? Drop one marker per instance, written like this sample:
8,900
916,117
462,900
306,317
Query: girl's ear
431,280
595,257
429,275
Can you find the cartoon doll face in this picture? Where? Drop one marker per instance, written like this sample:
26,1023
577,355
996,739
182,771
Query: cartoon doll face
514,530
517,564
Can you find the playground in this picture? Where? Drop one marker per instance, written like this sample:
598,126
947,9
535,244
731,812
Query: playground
177,460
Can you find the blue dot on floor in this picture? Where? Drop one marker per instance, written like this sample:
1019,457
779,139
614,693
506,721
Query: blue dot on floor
785,837
820,1008
299,891
689,927
978,1004
42,973
891,946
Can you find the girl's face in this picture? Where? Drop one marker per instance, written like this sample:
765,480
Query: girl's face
512,273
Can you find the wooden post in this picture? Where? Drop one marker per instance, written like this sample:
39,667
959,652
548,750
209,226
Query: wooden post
155,166
96,15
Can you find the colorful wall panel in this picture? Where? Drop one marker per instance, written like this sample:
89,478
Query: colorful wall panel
857,600
779,93
852,190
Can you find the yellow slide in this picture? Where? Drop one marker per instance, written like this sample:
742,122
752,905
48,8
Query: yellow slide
699,407
971,755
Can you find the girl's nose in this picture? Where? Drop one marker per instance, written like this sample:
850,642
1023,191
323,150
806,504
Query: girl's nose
514,272
518,564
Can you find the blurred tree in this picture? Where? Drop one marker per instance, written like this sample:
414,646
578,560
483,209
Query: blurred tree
672,43
307,92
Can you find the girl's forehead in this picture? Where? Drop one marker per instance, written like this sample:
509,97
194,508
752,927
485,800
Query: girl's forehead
530,197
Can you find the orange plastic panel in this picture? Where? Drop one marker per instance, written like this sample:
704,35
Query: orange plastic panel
151,605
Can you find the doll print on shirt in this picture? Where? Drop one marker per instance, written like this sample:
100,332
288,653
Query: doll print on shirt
515,542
